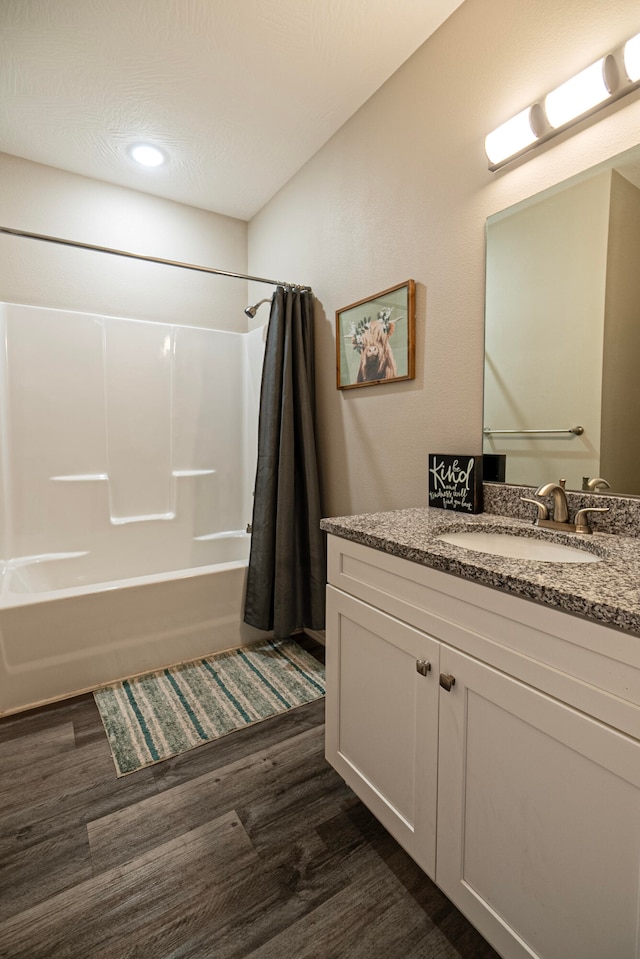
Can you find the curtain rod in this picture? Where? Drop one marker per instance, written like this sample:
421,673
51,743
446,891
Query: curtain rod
150,259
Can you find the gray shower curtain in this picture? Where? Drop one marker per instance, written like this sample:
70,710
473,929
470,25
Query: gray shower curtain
287,566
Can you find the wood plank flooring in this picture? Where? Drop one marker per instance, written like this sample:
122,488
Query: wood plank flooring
250,846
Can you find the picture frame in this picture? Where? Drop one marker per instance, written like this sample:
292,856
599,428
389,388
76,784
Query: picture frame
375,338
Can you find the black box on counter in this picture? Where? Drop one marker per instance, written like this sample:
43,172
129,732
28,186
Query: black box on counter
494,467
455,482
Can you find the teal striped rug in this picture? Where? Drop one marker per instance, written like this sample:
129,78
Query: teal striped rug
161,714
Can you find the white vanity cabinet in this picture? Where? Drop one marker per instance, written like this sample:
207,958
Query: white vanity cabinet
383,733
516,783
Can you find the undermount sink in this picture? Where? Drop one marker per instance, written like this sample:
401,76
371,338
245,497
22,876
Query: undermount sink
517,547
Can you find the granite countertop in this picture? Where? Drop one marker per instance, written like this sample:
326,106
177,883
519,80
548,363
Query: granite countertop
607,592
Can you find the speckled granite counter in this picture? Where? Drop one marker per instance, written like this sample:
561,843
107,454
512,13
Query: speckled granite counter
607,592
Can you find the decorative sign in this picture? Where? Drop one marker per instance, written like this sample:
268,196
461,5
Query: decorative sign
455,482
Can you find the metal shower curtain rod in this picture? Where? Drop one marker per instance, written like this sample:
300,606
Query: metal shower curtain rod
150,259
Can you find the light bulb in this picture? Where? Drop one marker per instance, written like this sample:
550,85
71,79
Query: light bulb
147,155
579,94
632,58
510,137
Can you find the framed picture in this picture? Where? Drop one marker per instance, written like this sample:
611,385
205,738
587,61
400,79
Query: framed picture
375,338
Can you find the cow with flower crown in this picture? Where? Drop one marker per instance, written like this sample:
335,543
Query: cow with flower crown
371,339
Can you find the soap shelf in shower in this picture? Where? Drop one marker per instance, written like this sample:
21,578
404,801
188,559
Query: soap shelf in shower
180,473
143,518
227,534
139,518
79,477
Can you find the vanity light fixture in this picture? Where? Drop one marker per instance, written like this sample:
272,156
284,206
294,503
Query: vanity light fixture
606,80
632,58
147,155
513,137
577,96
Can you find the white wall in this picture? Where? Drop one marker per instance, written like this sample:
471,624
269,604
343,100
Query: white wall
403,190
40,199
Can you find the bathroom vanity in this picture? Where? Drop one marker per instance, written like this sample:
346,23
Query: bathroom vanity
491,721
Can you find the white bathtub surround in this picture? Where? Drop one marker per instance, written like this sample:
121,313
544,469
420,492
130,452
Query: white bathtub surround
127,462
138,364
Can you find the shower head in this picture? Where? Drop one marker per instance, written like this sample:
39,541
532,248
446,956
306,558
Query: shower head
252,310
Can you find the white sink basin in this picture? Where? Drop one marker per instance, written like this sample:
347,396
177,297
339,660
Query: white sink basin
517,547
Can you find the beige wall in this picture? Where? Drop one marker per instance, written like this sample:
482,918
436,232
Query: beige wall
41,199
403,190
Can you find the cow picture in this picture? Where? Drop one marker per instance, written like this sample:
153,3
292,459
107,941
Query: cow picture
376,354
375,338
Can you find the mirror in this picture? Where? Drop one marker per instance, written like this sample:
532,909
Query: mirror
562,333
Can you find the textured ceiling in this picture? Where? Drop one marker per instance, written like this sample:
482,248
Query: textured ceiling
240,93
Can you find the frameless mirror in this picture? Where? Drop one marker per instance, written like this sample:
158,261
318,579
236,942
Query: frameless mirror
562,333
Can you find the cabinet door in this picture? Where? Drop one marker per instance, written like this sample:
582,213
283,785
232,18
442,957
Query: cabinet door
539,819
382,718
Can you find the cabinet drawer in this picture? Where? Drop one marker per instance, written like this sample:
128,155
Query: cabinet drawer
594,668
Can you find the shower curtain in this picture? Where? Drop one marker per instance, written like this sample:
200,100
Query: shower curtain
287,567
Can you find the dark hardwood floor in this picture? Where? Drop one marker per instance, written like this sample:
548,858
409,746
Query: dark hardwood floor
251,846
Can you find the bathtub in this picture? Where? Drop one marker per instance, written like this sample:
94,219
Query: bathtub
73,621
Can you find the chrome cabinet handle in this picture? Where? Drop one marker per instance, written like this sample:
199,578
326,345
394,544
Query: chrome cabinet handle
447,681
423,666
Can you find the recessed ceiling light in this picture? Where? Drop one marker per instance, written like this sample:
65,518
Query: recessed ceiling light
147,155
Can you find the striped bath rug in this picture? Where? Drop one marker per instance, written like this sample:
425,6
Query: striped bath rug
164,713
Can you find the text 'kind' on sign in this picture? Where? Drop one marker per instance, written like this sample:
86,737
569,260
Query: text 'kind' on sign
455,482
